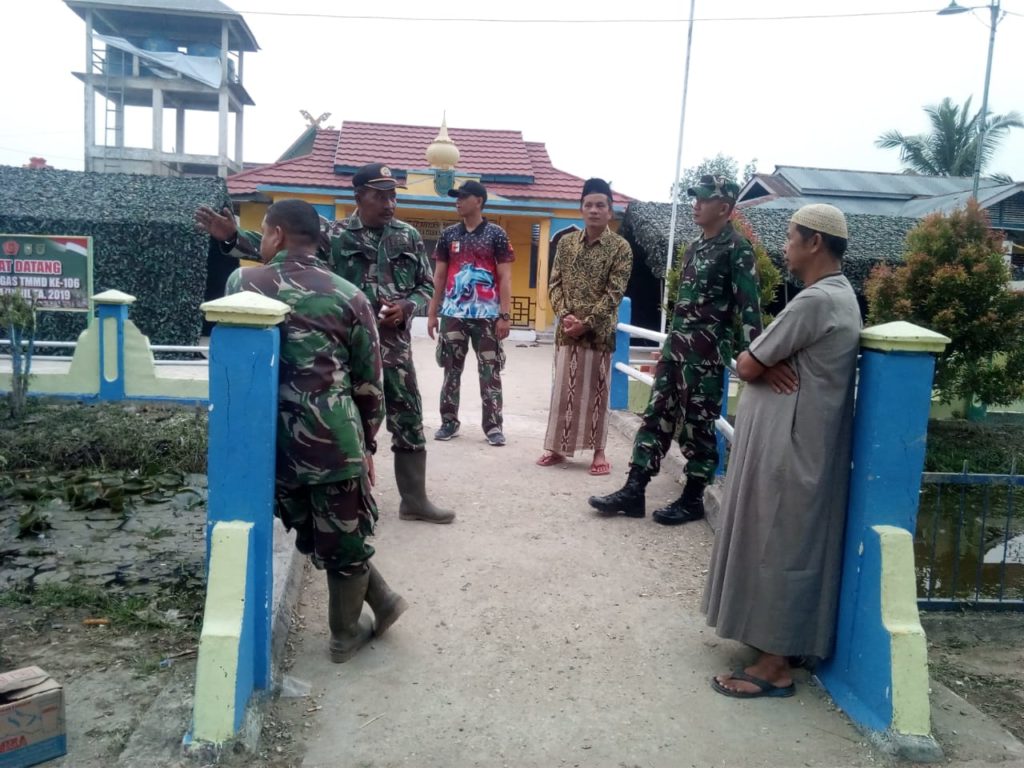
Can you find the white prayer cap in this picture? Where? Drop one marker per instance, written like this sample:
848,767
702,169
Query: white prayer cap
822,218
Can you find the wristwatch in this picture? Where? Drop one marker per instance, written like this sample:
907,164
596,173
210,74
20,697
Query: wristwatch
505,316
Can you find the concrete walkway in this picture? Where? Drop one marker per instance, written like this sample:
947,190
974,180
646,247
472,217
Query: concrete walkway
540,635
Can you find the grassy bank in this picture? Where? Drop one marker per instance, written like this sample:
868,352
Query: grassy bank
63,436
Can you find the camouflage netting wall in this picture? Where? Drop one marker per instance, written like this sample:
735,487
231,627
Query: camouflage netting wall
873,239
144,241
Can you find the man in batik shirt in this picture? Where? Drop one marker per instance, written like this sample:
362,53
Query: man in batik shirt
588,278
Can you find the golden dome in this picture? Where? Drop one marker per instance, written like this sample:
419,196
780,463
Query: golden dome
442,153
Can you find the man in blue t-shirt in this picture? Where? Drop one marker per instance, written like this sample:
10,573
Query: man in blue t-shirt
473,286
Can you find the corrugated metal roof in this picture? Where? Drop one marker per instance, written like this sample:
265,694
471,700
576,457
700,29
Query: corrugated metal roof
192,7
178,20
864,205
949,203
871,183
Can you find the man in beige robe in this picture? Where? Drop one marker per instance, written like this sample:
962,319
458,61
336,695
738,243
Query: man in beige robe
774,577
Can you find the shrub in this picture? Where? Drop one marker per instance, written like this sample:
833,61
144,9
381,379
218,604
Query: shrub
955,281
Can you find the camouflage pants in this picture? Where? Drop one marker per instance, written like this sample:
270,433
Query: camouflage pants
332,521
453,342
686,399
404,407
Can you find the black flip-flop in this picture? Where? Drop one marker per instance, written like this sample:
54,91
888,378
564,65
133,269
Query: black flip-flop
767,690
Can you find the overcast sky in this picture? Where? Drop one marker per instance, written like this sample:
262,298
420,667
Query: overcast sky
605,98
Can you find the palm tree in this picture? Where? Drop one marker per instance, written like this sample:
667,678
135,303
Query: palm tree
949,148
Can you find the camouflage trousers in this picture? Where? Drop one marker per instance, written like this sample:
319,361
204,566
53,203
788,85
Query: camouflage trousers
453,342
686,399
404,407
331,521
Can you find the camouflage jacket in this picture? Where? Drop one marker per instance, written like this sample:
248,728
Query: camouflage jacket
389,264
331,394
718,285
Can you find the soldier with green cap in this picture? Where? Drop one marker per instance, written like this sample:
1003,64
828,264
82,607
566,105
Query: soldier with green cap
718,286
330,406
386,259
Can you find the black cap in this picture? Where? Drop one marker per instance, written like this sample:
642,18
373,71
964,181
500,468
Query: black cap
596,186
474,188
375,176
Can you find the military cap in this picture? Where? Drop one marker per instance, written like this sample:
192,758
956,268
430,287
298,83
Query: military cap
471,187
710,187
375,176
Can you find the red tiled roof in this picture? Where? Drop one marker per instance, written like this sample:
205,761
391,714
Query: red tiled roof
404,148
313,170
549,182
485,152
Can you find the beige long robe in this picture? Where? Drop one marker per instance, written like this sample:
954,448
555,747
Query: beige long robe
774,577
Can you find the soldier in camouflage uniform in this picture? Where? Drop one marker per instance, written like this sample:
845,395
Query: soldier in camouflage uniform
718,285
330,406
385,258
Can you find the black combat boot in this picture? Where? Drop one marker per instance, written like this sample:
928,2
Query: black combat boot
387,604
349,630
411,478
685,509
629,499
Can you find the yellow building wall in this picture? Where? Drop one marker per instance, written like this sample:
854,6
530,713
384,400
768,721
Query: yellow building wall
518,229
431,221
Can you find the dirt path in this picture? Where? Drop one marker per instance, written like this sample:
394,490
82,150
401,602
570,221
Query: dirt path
980,656
540,635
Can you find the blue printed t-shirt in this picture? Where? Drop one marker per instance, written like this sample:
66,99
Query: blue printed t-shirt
472,258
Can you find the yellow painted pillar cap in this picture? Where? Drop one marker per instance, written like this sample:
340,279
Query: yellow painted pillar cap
246,308
901,336
113,297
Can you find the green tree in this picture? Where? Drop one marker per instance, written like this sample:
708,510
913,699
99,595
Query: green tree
18,318
950,147
955,281
719,165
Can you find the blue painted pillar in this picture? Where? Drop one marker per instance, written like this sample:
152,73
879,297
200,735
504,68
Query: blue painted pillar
619,395
112,311
244,363
889,433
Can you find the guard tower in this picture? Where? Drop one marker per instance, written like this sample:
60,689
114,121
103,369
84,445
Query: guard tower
162,54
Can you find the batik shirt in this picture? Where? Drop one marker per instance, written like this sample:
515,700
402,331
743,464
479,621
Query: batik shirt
472,289
331,393
588,281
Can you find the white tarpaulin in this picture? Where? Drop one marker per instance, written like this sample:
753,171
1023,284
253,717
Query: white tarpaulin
203,69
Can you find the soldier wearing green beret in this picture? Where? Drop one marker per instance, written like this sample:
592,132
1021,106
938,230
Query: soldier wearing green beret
718,284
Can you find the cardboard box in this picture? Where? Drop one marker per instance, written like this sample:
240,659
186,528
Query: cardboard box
31,718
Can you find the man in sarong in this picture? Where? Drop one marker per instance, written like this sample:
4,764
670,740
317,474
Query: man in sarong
589,276
774,577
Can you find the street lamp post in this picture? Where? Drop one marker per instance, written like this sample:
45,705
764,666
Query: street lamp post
996,13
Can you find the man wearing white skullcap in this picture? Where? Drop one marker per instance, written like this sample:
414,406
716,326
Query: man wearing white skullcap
774,577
